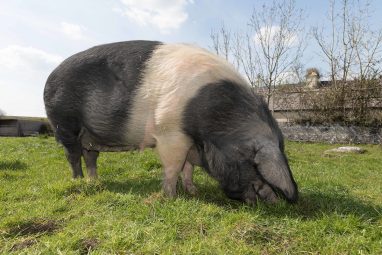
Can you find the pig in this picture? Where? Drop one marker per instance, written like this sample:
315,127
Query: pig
191,105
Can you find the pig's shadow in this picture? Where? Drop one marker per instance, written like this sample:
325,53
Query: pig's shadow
12,165
311,204
143,187
316,204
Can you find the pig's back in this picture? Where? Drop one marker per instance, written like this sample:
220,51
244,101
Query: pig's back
130,93
93,91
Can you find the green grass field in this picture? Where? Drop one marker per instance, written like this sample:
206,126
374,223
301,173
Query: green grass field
43,211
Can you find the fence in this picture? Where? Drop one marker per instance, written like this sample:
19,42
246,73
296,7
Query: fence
351,103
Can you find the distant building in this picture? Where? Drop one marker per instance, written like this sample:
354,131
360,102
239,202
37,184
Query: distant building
23,126
312,78
291,101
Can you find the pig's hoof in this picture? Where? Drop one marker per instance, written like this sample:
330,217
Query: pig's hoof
169,192
190,189
92,177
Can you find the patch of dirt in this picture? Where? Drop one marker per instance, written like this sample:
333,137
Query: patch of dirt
154,197
32,227
255,234
23,244
269,238
87,245
87,189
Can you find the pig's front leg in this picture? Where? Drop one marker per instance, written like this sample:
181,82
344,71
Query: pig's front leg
173,149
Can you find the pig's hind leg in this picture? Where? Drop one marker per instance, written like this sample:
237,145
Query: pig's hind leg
73,154
66,132
187,181
193,159
90,158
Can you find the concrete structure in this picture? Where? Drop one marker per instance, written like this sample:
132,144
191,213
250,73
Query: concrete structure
23,126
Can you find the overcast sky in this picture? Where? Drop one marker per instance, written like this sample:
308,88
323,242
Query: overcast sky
36,35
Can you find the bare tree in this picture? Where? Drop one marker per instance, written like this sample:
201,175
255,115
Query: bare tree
277,46
269,48
353,52
222,41
351,48
329,45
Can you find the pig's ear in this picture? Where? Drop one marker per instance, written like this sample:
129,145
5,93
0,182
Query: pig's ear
273,167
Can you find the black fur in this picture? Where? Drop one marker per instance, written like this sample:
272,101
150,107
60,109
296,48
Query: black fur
229,124
93,90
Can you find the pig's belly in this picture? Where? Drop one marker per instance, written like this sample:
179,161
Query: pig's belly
90,142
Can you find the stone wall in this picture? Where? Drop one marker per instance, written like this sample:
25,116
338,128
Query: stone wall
331,134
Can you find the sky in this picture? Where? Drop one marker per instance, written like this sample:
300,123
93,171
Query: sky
37,35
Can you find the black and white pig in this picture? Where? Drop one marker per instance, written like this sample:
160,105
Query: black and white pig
188,103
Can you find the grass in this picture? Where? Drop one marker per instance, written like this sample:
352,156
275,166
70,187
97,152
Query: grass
43,211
